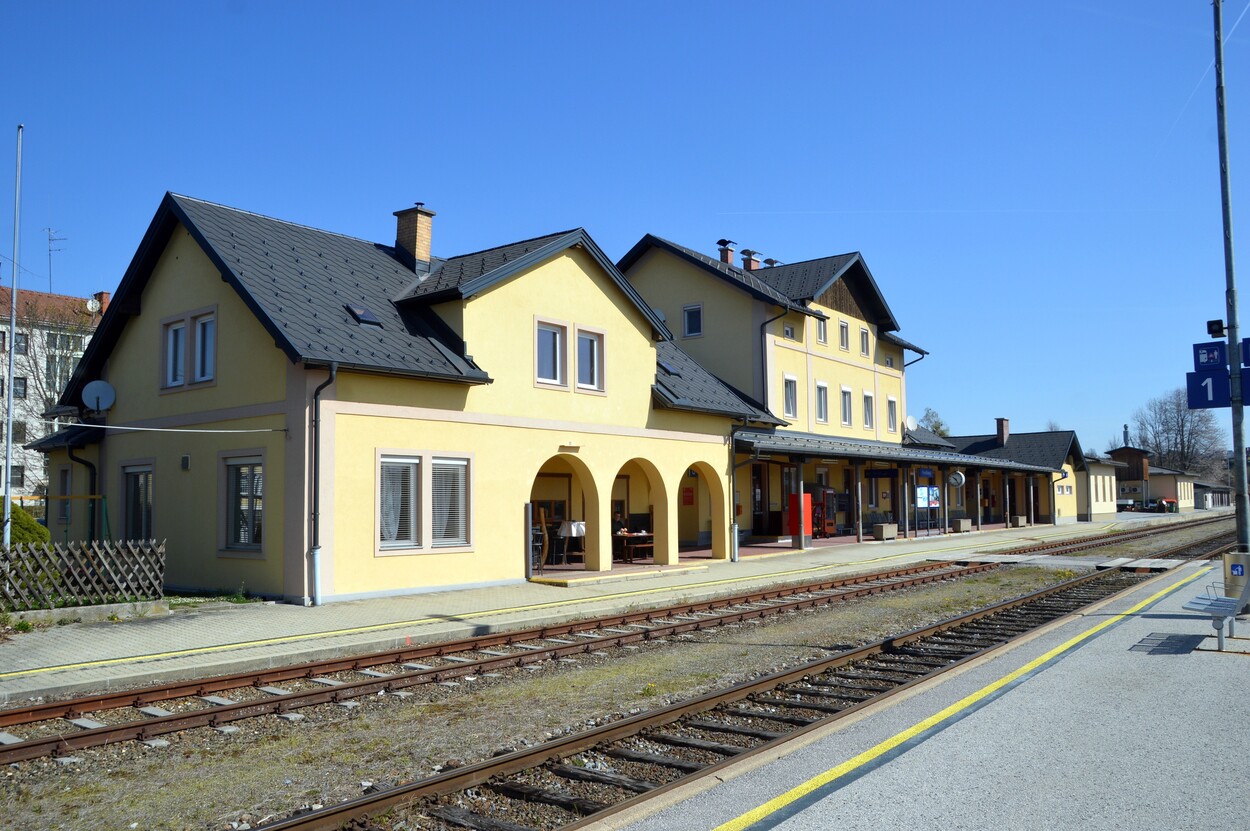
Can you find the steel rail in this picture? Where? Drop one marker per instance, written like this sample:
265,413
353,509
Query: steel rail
220,715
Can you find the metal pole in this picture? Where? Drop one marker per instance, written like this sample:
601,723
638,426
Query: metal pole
1234,333
8,392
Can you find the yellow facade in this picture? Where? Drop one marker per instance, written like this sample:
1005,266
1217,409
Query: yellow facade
518,440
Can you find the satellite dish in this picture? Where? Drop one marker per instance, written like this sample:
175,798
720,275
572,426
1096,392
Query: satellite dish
98,396
956,479
911,422
93,305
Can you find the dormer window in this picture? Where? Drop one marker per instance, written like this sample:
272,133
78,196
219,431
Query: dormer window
363,315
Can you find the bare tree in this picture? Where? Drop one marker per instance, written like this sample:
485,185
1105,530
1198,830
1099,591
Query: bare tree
932,421
1053,426
1180,438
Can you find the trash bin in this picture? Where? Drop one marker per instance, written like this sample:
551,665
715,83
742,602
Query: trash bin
1236,572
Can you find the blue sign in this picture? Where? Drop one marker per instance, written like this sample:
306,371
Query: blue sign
1207,390
925,472
1245,351
1212,356
1236,570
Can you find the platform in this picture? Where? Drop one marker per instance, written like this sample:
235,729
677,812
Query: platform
1122,717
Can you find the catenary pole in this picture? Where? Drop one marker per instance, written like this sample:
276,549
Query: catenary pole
1234,334
8,389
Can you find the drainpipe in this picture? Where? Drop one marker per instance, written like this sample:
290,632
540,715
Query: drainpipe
91,488
315,552
764,356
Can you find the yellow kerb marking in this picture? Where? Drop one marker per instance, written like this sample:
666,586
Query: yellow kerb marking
776,804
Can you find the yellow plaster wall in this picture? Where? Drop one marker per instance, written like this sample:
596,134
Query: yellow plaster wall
504,461
249,371
184,280
729,344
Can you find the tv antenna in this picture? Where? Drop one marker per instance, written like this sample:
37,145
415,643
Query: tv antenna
51,239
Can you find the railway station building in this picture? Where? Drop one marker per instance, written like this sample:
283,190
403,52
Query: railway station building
305,415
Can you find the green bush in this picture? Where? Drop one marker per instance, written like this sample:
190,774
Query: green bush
25,529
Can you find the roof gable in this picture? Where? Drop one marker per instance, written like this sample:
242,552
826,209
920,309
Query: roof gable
471,274
748,281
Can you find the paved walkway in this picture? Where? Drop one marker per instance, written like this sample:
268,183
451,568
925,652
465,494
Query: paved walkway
1124,717
224,638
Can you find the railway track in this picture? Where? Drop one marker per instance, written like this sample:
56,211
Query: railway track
573,781
60,728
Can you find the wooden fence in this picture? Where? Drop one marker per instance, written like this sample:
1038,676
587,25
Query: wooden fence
51,576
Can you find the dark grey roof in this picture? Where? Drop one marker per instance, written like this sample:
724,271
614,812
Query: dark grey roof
810,444
1212,486
468,275
748,281
1167,471
1047,449
298,282
808,279
804,281
73,436
897,341
924,437
455,272
682,383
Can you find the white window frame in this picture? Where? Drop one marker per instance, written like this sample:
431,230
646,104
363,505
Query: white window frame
844,335
426,486
561,334
822,330
864,345
174,354
598,361
846,402
790,397
189,350
891,414
822,402
870,410
204,361
688,331
413,540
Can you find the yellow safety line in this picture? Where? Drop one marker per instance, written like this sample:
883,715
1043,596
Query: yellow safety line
851,765
201,650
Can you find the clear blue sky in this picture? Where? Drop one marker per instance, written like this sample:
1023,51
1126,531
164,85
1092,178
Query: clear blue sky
1035,186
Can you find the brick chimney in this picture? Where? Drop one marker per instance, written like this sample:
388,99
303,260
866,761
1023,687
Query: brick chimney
102,297
412,232
750,259
726,250
1003,431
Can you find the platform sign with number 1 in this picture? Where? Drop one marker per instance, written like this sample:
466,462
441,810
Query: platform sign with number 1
1207,390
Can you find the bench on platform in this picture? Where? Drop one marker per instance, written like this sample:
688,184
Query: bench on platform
1220,608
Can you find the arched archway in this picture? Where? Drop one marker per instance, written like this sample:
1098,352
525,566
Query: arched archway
702,512
566,503
639,495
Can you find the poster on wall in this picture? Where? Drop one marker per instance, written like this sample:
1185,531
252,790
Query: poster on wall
928,496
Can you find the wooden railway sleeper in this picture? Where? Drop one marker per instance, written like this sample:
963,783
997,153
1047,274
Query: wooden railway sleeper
697,744
673,762
477,822
793,704
531,793
628,783
733,729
